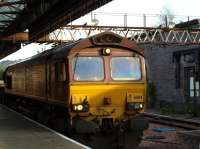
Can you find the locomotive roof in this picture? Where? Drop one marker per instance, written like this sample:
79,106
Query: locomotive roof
43,56
102,39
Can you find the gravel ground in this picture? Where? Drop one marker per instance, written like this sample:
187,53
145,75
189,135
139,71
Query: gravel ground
170,141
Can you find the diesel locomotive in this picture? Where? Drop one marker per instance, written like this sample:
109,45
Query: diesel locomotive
94,85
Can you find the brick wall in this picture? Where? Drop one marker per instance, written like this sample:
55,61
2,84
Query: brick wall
162,70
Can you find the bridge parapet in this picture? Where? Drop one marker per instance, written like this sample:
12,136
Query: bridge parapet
71,33
137,34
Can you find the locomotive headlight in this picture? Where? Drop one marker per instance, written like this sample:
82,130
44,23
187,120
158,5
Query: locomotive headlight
80,107
106,51
131,106
79,103
141,106
134,101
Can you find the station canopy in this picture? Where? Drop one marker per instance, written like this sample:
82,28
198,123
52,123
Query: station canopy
39,17
8,12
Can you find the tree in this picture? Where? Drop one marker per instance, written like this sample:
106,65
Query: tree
4,65
166,18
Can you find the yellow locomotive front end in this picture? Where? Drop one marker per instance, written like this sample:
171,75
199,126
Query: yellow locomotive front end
116,94
107,89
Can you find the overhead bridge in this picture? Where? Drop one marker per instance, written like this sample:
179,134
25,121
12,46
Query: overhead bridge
137,34
72,33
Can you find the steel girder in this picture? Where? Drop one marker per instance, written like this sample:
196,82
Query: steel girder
43,16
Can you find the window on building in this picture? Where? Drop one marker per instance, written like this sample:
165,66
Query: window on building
197,88
191,86
194,87
189,58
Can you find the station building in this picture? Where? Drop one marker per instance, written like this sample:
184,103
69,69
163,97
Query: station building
174,74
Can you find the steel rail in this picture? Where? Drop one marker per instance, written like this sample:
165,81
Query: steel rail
172,121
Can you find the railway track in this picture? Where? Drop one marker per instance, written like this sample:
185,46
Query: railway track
172,121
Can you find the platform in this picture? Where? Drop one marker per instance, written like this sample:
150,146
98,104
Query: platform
19,132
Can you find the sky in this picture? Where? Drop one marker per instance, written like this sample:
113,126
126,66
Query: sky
179,7
134,8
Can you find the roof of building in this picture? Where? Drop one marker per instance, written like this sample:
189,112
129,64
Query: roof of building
194,24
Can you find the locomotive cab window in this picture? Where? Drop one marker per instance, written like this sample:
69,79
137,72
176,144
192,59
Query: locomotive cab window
88,69
125,68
